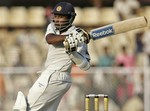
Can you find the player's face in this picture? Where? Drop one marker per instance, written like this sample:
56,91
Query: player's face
60,21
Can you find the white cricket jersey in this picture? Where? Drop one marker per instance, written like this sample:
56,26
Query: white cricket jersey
57,58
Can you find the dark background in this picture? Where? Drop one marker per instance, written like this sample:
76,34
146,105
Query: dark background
81,3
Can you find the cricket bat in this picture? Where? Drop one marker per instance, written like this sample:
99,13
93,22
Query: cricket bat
119,27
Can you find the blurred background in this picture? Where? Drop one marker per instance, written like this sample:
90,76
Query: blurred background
120,65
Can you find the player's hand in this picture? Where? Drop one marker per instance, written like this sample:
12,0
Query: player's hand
70,43
81,35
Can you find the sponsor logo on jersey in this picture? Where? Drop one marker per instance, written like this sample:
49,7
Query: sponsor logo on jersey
100,33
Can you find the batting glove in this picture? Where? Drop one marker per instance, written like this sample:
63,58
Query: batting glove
81,35
70,43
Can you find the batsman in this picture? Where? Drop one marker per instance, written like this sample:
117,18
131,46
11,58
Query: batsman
67,46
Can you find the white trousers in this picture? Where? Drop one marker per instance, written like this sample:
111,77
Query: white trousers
47,91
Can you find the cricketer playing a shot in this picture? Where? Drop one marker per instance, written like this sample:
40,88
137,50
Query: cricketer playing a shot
67,46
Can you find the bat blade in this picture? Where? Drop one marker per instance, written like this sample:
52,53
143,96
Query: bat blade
119,27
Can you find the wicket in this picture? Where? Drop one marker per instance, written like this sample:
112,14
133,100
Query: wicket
96,98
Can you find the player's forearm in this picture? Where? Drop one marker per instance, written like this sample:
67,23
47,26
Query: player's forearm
55,39
79,60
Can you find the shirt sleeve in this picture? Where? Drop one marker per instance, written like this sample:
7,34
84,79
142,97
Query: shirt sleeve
50,29
83,50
